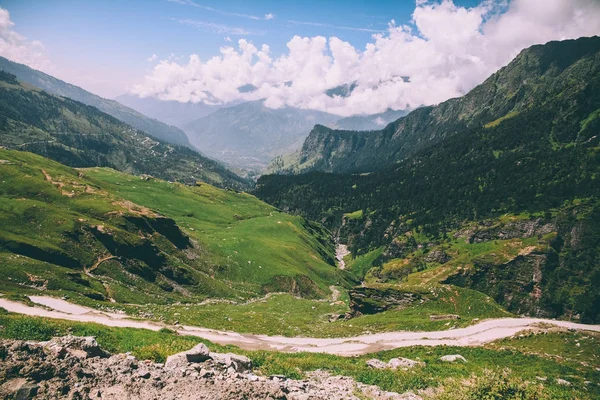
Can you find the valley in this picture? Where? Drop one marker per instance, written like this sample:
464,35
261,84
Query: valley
418,220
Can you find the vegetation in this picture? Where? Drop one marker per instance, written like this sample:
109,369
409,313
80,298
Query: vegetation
530,157
503,370
82,136
101,235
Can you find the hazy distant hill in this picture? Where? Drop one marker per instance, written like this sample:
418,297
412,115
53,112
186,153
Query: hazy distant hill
250,134
55,86
170,112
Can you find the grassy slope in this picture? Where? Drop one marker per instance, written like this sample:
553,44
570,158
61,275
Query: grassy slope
242,246
82,136
551,356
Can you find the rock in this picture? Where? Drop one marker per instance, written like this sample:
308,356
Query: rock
27,391
176,361
79,346
395,363
563,382
237,362
438,256
377,364
365,300
198,353
142,373
453,358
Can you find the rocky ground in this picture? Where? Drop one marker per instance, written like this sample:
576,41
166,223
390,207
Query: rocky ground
78,368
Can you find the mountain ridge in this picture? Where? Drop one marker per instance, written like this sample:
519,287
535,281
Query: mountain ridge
128,115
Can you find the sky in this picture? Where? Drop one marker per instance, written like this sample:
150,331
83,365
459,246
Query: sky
395,54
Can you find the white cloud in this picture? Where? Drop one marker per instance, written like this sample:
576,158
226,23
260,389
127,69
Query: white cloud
152,58
445,51
18,48
227,39
269,16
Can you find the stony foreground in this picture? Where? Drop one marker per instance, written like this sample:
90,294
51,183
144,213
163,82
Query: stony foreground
77,368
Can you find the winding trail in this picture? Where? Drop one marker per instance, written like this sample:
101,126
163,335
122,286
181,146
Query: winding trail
474,335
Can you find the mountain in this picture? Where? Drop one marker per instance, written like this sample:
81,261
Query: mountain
250,134
105,235
82,136
170,112
537,75
370,122
495,192
55,86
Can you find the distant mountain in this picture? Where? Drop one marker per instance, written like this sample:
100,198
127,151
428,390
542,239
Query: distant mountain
249,135
56,86
370,122
170,112
79,135
537,75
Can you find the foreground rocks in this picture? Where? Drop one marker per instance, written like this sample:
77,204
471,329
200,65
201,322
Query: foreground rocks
77,368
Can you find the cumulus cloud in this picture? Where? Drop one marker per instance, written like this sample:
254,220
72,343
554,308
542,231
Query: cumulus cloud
269,16
18,48
443,52
152,58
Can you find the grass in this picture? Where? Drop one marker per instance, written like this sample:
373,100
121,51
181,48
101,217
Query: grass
457,379
356,215
243,247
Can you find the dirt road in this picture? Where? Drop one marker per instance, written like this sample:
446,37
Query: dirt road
481,333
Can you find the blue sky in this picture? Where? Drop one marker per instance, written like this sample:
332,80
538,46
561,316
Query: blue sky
291,52
109,36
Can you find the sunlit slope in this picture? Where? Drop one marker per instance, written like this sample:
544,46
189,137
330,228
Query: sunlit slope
112,236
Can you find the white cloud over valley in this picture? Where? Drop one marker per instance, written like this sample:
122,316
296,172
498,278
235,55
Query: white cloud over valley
443,53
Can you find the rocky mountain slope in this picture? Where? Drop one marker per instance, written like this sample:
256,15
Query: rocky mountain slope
55,86
521,167
539,76
82,136
249,135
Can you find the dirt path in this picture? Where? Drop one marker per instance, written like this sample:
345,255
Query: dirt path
483,332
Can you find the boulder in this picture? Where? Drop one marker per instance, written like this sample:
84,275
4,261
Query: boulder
377,364
395,363
176,361
453,358
79,346
27,391
230,360
198,353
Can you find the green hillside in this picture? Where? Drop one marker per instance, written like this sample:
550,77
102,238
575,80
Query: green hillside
104,235
82,136
508,206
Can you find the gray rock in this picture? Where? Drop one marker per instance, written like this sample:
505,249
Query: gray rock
198,353
395,363
563,382
377,364
27,391
453,358
143,374
176,361
235,361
